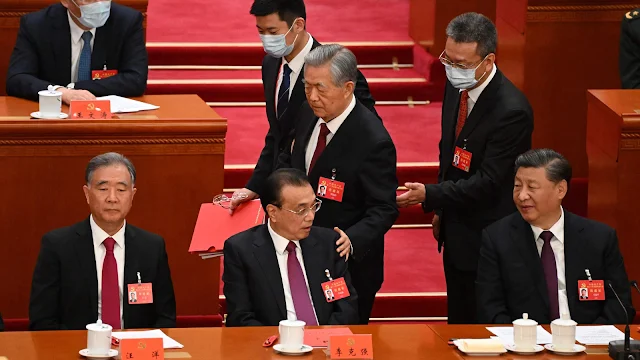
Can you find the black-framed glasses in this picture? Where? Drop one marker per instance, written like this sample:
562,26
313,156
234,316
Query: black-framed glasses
305,211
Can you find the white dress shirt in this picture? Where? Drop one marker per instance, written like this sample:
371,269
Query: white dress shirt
296,65
76,46
557,244
474,94
280,244
332,125
100,251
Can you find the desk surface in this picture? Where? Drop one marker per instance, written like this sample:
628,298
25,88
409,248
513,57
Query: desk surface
404,342
171,106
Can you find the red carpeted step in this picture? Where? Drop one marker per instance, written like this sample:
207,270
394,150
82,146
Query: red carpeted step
247,87
247,54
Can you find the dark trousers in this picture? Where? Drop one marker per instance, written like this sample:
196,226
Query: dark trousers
366,292
365,305
461,294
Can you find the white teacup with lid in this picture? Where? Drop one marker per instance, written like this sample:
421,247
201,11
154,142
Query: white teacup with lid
525,333
99,338
563,333
50,102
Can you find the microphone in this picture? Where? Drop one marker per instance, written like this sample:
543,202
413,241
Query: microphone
621,350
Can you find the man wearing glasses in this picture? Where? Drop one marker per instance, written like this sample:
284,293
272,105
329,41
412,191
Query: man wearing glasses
84,48
486,123
278,271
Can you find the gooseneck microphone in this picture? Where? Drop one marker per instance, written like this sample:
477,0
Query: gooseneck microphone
622,350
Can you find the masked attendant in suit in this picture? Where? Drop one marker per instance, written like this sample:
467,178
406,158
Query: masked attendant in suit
341,146
486,123
275,271
282,28
540,259
62,44
83,271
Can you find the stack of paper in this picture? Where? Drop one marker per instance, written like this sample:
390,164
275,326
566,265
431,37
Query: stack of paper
167,342
598,335
124,105
216,224
505,334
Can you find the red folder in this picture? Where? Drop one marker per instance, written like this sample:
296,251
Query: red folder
215,225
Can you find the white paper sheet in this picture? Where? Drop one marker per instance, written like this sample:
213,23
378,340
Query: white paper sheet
120,104
598,335
505,333
167,342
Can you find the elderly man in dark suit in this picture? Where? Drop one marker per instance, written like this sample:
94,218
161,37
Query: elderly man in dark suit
275,271
340,144
84,271
282,28
486,123
542,259
62,44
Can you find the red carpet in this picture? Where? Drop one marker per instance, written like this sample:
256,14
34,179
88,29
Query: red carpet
229,21
247,127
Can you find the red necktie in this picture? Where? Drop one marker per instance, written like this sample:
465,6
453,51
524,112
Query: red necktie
322,143
298,286
110,288
462,111
550,274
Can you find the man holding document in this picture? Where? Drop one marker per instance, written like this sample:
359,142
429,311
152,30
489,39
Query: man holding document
282,270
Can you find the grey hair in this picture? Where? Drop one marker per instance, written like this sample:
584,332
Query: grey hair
556,167
474,28
344,66
108,159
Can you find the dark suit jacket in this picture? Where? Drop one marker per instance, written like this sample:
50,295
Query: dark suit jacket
364,157
629,56
64,291
511,279
42,55
280,130
497,131
253,285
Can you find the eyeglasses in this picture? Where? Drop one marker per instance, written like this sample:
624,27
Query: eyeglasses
304,212
223,200
446,61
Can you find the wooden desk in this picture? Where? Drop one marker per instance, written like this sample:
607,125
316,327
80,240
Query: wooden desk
179,159
404,342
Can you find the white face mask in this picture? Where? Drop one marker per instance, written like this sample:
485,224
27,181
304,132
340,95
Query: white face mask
94,15
463,78
276,45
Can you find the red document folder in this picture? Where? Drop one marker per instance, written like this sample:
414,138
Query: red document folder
215,225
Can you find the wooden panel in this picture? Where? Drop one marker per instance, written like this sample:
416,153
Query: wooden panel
421,21
10,13
510,23
179,159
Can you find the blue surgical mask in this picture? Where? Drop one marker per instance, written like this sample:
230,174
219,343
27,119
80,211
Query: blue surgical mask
462,78
94,15
276,45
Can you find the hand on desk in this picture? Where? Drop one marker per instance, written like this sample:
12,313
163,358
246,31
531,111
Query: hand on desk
70,94
237,200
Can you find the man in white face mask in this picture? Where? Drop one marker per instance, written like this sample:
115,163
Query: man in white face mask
84,48
282,28
486,123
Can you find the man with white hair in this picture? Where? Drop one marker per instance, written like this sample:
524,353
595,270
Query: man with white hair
344,147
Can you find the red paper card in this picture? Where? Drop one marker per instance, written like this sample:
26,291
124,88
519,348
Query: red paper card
215,225
103,74
142,349
319,338
462,159
590,290
358,346
330,189
90,109
140,293
335,290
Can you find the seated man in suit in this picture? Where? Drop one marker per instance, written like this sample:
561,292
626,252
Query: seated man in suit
275,271
282,25
535,260
61,45
84,271
340,144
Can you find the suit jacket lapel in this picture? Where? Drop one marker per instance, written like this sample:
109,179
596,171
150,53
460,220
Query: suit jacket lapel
523,235
132,252
100,46
87,259
449,120
61,41
272,68
265,252
572,264
307,122
315,276
484,103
